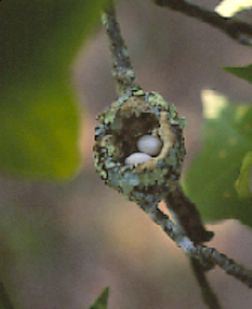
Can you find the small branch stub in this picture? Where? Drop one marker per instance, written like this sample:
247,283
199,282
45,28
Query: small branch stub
134,115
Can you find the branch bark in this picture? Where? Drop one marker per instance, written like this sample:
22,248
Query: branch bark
122,69
237,30
187,215
208,295
197,251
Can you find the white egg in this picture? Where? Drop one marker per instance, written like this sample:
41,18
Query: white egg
137,158
149,144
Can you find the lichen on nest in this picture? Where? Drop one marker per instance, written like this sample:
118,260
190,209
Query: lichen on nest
133,115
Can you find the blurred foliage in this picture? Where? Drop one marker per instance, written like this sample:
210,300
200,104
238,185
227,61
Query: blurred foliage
242,72
29,243
26,235
227,137
102,300
39,121
229,8
244,182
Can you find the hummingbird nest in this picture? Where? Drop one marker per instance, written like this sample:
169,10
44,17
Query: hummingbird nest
132,116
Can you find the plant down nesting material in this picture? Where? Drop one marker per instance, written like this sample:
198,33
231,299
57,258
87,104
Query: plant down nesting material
133,115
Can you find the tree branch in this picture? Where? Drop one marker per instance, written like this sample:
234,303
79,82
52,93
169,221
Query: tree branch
122,69
237,30
197,251
187,215
208,295
184,209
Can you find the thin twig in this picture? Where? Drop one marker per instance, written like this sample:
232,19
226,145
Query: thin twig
4,298
122,69
187,215
197,251
208,295
236,29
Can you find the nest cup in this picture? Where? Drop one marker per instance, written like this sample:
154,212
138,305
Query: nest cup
133,115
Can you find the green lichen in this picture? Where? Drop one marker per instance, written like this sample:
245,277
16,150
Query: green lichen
134,114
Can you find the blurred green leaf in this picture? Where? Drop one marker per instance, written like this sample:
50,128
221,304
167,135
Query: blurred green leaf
26,236
242,72
39,120
229,8
30,242
227,137
102,300
243,184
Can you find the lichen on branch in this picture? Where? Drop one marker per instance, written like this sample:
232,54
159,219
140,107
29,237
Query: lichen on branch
122,69
135,114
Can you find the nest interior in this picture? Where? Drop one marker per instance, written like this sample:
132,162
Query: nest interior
132,128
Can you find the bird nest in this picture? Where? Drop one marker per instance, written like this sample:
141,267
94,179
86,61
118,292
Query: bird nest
133,115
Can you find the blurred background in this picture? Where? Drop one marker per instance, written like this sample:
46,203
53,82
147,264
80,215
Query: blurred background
61,244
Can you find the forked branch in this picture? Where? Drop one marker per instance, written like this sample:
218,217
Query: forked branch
185,237
236,29
197,251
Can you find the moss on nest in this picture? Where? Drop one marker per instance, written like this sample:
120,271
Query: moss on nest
135,114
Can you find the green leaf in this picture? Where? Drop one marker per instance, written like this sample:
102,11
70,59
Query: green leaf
29,240
227,137
242,72
229,8
243,184
102,300
39,120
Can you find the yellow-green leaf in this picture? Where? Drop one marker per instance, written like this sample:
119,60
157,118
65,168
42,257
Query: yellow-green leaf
39,117
243,184
226,137
102,300
242,72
